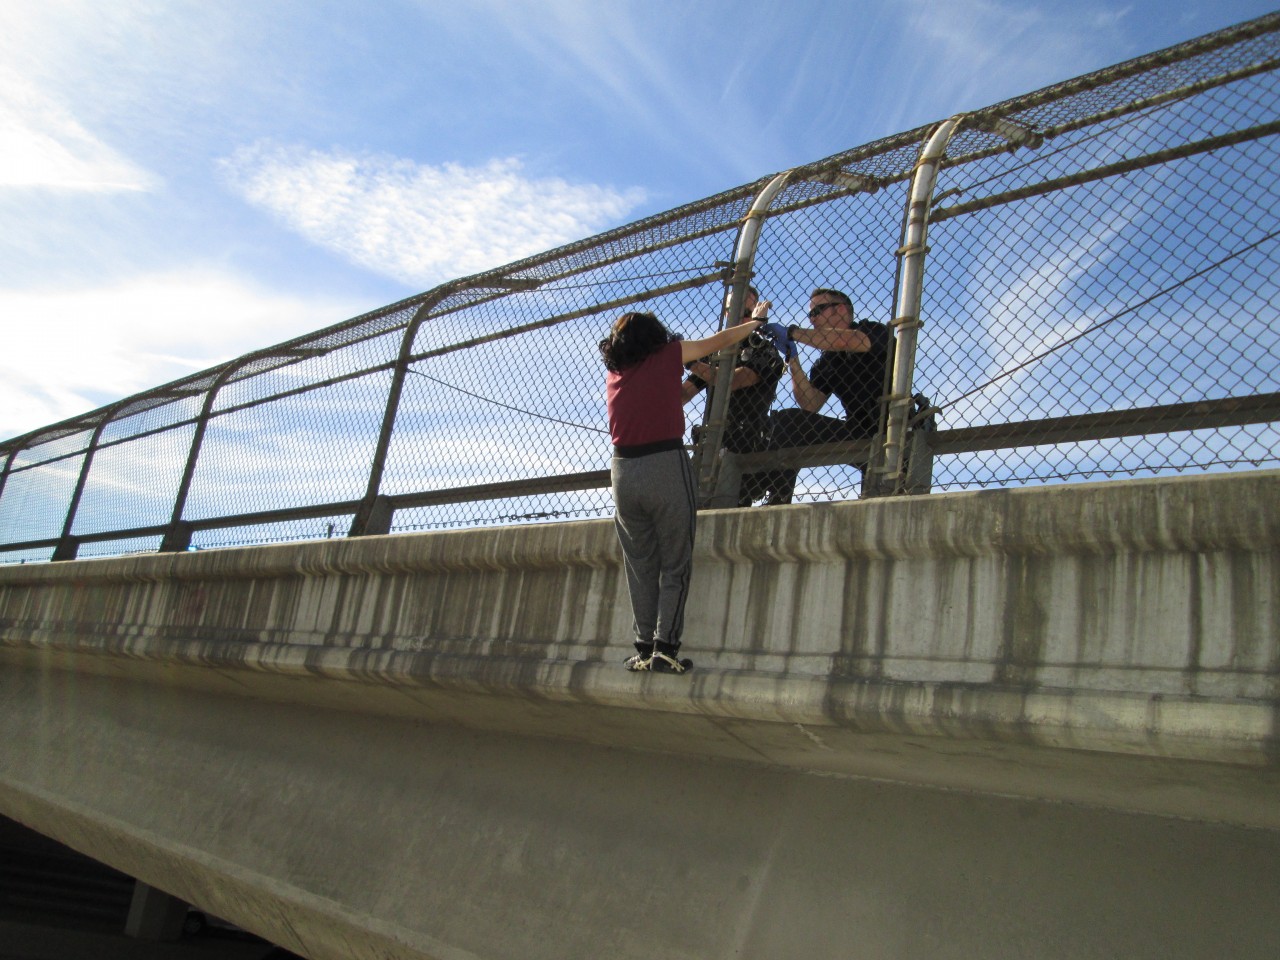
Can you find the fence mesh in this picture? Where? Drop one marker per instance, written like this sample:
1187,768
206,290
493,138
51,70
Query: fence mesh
1099,299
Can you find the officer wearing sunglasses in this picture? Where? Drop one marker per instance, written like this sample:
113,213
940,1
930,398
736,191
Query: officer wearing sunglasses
855,354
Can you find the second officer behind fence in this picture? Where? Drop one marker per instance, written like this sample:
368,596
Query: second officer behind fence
756,373
654,496
855,355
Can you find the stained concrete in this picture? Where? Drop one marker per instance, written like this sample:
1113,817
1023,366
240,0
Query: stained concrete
349,836
1034,723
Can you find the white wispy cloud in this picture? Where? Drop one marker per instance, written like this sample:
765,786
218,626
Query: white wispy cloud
968,54
70,351
418,223
42,144
51,134
620,56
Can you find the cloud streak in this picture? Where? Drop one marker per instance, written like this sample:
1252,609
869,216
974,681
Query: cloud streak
43,145
70,351
418,223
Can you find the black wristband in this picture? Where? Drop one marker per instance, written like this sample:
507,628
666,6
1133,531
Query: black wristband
792,329
697,381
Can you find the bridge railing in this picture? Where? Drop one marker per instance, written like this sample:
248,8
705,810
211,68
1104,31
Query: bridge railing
1081,284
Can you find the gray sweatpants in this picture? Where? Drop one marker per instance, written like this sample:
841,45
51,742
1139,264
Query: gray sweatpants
654,513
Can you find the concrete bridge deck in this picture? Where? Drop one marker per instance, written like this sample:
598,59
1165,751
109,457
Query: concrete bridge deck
1037,722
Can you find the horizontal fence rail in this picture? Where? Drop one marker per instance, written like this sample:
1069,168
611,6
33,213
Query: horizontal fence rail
1080,283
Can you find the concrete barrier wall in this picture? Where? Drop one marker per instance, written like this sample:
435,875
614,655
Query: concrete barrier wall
1029,611
425,745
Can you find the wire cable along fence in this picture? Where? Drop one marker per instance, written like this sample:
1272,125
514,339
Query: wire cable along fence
1076,284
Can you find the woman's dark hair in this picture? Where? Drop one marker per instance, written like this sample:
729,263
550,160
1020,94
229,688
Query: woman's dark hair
633,337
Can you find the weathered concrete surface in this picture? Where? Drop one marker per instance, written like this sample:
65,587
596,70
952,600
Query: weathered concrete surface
425,745
354,837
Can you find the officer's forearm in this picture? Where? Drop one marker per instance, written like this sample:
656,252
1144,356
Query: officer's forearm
851,341
807,396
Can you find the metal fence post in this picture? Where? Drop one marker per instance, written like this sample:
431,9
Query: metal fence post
68,545
8,465
177,536
708,455
906,309
375,513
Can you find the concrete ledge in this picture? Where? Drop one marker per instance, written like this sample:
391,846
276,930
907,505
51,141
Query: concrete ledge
1138,619
399,682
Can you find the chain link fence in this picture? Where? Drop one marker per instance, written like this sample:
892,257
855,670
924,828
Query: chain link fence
1077,284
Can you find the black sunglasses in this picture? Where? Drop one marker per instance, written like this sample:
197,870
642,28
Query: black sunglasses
814,311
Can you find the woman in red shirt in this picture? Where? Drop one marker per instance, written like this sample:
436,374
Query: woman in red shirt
653,490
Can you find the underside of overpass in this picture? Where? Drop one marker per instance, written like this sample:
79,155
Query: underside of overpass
1037,722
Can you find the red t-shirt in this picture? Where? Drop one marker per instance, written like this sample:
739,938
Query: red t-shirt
644,399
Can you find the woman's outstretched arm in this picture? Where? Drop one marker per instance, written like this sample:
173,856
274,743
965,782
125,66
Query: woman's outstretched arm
691,350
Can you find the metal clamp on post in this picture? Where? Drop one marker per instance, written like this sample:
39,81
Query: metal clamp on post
893,404
177,537
906,323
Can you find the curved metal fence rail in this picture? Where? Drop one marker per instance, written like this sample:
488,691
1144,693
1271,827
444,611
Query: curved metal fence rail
1081,283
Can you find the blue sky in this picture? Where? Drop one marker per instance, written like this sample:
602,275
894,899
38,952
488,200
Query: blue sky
182,181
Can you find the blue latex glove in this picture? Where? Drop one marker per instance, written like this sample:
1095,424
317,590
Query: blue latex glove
781,339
